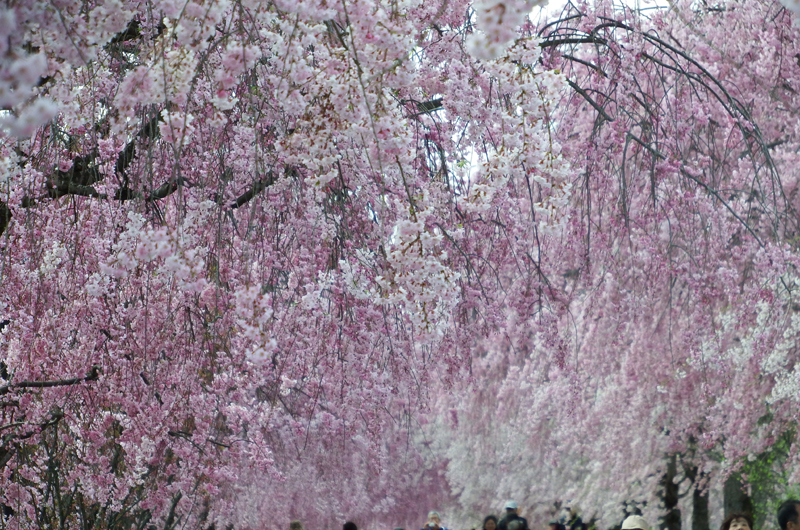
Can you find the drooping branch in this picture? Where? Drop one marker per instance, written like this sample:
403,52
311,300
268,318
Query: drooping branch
165,190
149,131
659,54
554,42
93,375
79,180
5,216
260,185
9,448
589,99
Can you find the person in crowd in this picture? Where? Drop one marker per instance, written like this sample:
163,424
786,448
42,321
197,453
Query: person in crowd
570,519
490,522
349,525
512,516
787,515
434,522
737,521
555,525
635,522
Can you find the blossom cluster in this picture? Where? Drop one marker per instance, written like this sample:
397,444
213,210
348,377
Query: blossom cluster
22,111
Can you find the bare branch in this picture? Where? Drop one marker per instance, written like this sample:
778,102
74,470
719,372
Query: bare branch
260,185
93,375
592,102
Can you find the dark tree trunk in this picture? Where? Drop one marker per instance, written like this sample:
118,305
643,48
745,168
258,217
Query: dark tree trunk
735,497
700,515
670,496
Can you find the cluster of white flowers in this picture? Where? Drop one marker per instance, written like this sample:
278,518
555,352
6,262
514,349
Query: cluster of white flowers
528,148
749,343
176,127
355,279
108,18
421,282
176,252
235,59
9,169
142,451
254,315
315,292
497,25
19,74
480,196
169,78
787,382
52,258
98,285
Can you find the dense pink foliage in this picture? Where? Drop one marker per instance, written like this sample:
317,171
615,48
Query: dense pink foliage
668,317
255,250
249,247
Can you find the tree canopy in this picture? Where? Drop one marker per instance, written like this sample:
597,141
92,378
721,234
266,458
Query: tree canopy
324,260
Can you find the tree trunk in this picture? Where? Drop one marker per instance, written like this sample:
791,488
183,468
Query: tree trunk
700,515
735,497
670,496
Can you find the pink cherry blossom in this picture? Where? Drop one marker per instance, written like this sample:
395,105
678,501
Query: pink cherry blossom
319,260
